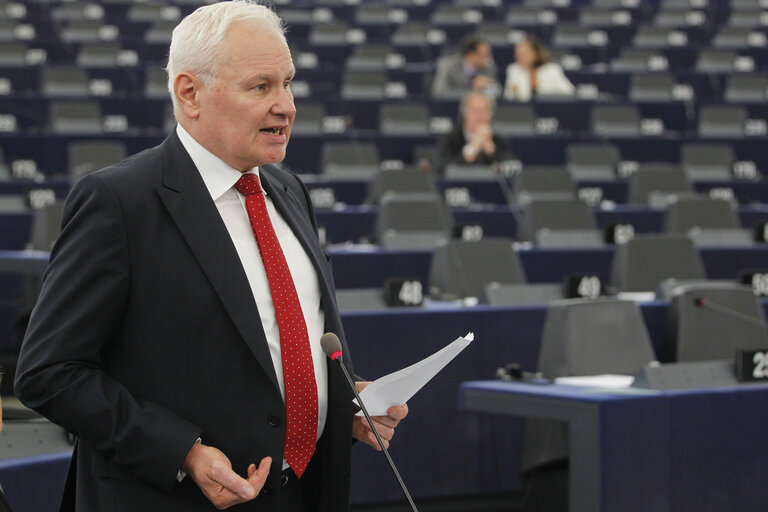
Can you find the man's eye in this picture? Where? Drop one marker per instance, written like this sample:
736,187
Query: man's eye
286,85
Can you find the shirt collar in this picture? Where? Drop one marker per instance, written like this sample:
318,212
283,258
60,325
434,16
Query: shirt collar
217,175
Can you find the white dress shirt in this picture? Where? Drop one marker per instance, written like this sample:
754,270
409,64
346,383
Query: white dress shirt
220,179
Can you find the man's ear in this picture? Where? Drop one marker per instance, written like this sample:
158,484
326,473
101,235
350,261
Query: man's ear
186,87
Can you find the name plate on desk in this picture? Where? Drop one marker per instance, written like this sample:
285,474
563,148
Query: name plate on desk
751,365
688,375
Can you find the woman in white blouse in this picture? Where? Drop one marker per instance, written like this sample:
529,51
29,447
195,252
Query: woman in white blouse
533,74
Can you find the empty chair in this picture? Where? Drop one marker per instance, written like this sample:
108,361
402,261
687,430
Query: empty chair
523,16
639,60
584,337
747,88
455,271
13,54
10,203
46,224
497,34
709,321
75,117
615,120
650,36
707,161
160,32
715,61
412,223
372,15
350,159
676,17
576,36
455,15
642,263
427,157
732,38
364,85
5,171
708,222
361,299
88,32
87,156
156,83
512,120
654,182
329,34
750,19
651,87
104,56
77,11
543,182
592,161
558,223
309,119
404,119
150,12
722,121
412,34
401,181
370,58
64,81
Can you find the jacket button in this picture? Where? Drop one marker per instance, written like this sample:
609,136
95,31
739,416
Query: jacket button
273,420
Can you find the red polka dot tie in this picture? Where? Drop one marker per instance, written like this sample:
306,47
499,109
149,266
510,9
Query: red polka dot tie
298,369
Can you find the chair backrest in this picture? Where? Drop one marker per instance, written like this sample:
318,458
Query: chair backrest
722,121
657,177
412,222
404,119
747,88
364,85
701,160
46,224
544,181
615,120
651,87
711,321
587,160
350,159
584,337
462,269
410,181
715,61
684,214
557,214
89,156
75,117
64,81
514,120
642,263
309,119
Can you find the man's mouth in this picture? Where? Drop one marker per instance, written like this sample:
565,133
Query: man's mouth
273,131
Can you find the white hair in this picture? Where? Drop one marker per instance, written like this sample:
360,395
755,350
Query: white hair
196,41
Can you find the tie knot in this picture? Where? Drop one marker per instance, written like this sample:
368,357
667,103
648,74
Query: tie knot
248,184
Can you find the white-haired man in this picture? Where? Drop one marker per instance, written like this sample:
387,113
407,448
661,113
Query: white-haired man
177,332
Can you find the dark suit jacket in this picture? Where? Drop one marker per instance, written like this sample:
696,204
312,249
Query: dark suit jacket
452,144
146,335
4,505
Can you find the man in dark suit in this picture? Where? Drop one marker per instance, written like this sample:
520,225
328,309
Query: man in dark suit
177,332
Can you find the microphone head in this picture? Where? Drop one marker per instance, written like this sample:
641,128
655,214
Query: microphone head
331,345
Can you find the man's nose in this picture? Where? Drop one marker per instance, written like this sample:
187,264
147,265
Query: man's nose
283,104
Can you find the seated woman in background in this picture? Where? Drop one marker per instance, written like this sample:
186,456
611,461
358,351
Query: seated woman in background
533,74
473,140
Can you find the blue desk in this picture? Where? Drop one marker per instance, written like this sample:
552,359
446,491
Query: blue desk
681,451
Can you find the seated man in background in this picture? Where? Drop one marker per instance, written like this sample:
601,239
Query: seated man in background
473,142
472,69
533,74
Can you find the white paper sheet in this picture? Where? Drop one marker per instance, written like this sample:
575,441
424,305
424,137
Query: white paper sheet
398,387
598,381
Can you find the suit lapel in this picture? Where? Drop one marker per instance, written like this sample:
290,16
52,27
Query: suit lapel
190,205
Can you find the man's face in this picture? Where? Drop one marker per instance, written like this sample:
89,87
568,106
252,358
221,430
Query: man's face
247,114
480,57
477,112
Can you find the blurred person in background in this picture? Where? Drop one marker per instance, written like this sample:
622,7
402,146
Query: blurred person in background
473,142
533,74
471,70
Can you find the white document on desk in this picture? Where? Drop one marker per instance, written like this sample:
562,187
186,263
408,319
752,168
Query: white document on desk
398,387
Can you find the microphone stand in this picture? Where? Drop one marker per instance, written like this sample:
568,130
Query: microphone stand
376,433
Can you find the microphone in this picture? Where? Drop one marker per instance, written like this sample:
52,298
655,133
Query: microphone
332,348
701,302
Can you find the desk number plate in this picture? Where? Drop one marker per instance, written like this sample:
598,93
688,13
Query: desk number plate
751,365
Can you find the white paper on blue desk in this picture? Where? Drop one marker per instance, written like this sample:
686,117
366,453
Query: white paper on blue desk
398,387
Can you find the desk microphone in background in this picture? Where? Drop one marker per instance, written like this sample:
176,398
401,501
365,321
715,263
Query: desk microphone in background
701,302
332,348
